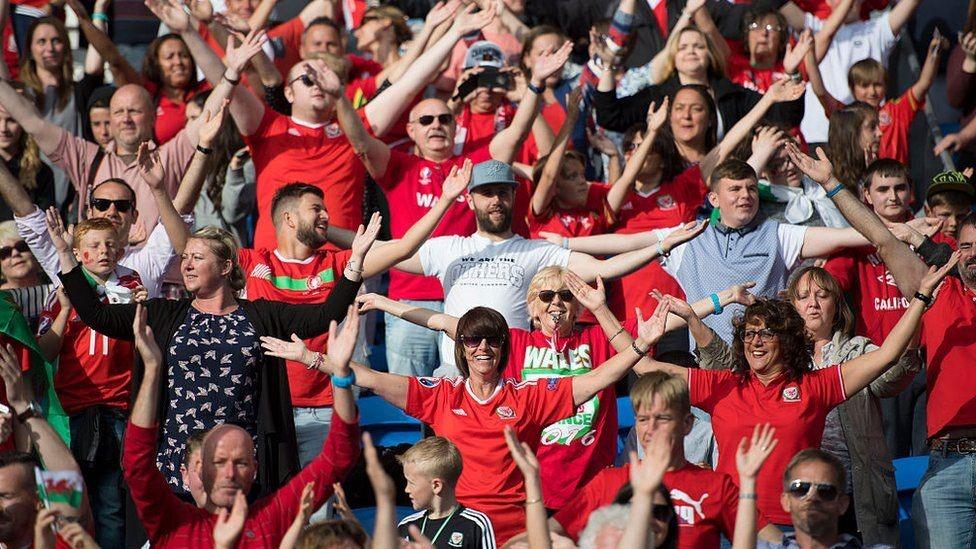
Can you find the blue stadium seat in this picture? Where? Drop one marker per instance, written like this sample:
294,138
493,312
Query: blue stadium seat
387,424
625,421
367,516
908,475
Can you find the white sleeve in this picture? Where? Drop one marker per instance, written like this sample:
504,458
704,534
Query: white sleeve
435,254
673,261
546,254
790,242
884,36
151,260
811,22
33,229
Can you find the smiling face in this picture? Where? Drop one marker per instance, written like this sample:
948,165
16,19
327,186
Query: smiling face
47,48
435,139
10,133
492,205
228,464
113,191
762,348
872,93
20,266
736,199
202,270
310,221
780,170
132,117
175,63
98,251
689,116
888,196
817,305
966,242
692,56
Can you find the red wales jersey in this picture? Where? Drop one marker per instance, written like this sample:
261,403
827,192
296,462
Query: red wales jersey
490,481
93,369
894,118
880,304
705,503
273,277
593,218
574,449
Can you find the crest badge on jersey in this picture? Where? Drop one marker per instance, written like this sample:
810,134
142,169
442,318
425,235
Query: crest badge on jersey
313,282
884,118
333,130
552,383
457,538
425,175
666,202
505,412
791,394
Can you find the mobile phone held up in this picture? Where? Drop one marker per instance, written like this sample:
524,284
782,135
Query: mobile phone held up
490,78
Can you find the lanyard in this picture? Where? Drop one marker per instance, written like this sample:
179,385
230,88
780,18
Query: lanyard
439,530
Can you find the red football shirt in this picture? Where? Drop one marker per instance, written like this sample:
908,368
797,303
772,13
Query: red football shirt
285,151
171,115
412,185
490,481
705,503
797,409
93,369
286,40
879,302
593,218
950,355
273,277
895,118
670,204
744,74
574,449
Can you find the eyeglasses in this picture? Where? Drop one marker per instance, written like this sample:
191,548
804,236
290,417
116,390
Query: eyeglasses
765,335
767,27
103,204
306,80
428,119
662,512
546,296
803,488
7,251
474,341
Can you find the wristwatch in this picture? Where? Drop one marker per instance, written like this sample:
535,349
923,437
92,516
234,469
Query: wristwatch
33,410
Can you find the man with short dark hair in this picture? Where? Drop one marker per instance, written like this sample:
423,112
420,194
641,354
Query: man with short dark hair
18,499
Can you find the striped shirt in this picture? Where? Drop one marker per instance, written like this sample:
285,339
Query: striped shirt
462,529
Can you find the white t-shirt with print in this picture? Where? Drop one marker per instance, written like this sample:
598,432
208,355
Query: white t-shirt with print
476,271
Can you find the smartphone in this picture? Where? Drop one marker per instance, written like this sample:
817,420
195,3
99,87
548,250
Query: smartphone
493,78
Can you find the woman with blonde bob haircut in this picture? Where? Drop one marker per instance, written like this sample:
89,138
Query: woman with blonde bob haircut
213,362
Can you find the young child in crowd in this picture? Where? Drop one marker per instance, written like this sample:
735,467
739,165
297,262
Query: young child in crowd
950,197
432,468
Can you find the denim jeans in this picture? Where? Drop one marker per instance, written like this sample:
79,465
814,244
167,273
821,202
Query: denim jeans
412,350
944,506
105,484
311,429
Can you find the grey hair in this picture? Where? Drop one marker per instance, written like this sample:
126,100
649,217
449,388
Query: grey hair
613,516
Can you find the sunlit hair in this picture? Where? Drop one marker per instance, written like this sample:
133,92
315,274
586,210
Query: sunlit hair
733,169
224,246
808,277
480,321
193,444
672,390
968,221
548,278
152,67
815,455
716,60
670,541
288,197
866,71
435,457
844,142
782,319
528,42
93,224
28,65
397,19
335,63
8,231
26,149
332,533
666,133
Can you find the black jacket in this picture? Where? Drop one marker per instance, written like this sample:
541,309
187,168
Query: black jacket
733,102
277,449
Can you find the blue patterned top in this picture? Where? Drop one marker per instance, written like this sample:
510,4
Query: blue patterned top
212,364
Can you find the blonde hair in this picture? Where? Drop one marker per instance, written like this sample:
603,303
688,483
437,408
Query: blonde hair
843,320
331,533
436,457
224,246
8,230
671,389
27,151
716,60
552,275
93,224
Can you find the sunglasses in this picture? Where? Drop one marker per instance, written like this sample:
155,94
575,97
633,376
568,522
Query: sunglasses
103,204
802,488
765,335
428,119
473,341
20,246
546,296
662,512
767,27
306,80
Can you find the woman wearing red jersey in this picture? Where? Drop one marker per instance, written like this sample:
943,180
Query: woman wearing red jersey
771,380
472,410
170,75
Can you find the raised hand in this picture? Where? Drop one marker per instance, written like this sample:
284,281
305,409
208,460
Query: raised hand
938,44
934,277
305,505
382,483
417,539
646,475
588,296
677,306
144,339
232,23
227,530
365,237
968,44
468,21
294,350
60,236
657,116
819,170
150,167
652,329
457,181
236,56
550,62
44,524
601,143
740,293
171,13
796,52
785,90
694,5
80,11
63,300
327,80
600,49
752,453
372,302
6,426
684,234
766,142
574,103
950,143
140,294
211,125
342,344
76,536
201,9
19,392
442,11
523,455
341,503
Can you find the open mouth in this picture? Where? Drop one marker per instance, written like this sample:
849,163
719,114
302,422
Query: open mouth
759,353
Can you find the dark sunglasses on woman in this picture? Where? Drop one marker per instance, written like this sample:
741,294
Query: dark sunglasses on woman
802,488
20,246
546,296
473,341
428,119
103,204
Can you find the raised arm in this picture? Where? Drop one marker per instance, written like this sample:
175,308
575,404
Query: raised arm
823,38
46,134
827,100
189,190
588,267
749,457
545,189
437,15
906,268
536,525
101,47
645,479
420,316
151,171
660,59
901,13
656,117
506,144
931,66
245,107
382,257
13,193
858,372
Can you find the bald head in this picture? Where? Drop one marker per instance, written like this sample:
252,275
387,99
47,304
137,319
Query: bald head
432,128
228,465
132,117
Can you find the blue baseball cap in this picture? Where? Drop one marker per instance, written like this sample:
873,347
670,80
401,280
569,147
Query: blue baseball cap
491,172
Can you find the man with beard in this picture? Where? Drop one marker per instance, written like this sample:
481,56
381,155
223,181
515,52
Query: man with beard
813,495
494,266
945,504
300,270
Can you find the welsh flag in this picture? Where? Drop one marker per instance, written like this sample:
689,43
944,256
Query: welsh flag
59,487
14,328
